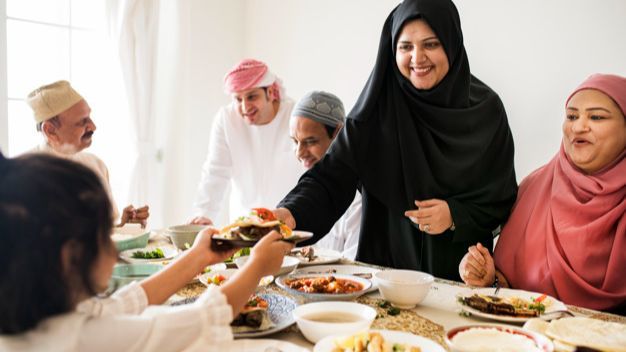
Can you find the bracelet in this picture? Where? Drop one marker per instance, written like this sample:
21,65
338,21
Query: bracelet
496,282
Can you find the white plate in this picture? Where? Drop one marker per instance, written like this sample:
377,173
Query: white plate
314,297
227,273
341,269
551,303
328,343
168,252
322,256
279,310
257,345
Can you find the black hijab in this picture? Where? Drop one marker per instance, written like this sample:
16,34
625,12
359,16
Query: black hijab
449,142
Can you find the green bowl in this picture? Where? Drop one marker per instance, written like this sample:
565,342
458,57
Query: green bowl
130,238
123,274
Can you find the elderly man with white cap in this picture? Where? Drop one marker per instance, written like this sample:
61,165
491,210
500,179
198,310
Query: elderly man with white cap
315,121
249,147
63,118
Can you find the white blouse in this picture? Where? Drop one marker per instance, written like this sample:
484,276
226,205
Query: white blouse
124,322
344,235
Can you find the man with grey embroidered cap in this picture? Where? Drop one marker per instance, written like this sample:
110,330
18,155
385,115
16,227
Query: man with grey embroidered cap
314,123
63,118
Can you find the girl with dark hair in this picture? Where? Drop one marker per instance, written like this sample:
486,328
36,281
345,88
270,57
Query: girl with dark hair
428,144
55,225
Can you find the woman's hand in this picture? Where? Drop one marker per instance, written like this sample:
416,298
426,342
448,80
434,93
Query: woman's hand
202,245
267,255
432,215
477,267
284,215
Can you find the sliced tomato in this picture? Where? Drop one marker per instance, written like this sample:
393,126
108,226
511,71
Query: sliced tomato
264,213
540,298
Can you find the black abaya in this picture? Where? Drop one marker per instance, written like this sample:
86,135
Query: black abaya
400,144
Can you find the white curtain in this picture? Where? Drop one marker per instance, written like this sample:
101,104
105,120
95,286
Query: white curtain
133,27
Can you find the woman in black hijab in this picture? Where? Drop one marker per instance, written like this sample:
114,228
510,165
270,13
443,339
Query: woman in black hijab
424,133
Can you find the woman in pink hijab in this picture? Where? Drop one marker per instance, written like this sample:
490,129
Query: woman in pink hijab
566,235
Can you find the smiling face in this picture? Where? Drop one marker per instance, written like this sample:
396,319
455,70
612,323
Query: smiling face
74,129
420,56
310,138
256,105
594,130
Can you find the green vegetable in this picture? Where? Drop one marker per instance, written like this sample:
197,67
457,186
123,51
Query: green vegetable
240,253
383,304
155,254
393,311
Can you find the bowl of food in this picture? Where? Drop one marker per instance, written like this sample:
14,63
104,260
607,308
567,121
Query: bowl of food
320,319
316,287
130,236
124,274
182,236
403,288
289,264
487,338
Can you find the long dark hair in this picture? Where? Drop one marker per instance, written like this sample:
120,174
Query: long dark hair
45,203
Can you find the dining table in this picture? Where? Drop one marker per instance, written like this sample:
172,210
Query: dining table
431,318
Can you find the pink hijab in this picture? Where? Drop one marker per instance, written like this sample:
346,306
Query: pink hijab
567,232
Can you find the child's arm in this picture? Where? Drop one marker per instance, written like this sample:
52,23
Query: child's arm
177,274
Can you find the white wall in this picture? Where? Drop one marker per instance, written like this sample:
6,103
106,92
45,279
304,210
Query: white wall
533,53
4,118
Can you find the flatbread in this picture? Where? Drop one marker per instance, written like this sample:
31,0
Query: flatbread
587,332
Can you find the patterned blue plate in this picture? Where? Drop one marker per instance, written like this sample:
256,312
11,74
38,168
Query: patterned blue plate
279,309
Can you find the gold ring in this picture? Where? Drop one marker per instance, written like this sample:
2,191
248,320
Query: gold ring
426,228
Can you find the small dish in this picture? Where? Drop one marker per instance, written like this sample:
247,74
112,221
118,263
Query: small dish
491,337
403,288
289,264
168,252
320,319
365,272
283,282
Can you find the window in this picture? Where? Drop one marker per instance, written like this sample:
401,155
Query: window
49,40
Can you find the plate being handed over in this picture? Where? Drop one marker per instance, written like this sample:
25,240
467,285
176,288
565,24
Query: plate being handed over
248,230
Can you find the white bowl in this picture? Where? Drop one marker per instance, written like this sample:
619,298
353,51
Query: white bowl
356,317
403,288
289,264
183,236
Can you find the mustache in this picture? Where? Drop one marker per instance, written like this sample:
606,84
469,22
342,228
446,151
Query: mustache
88,134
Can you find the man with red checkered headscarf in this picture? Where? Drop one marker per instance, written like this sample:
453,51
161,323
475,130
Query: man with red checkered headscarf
249,149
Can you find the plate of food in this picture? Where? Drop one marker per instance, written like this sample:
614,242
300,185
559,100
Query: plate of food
248,230
263,315
578,333
218,277
325,287
379,340
257,345
315,256
149,254
493,337
512,306
355,270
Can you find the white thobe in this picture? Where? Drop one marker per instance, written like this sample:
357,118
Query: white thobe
256,161
89,160
344,235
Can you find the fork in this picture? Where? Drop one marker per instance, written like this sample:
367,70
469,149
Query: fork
496,291
555,315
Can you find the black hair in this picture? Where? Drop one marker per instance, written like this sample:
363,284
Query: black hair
46,203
